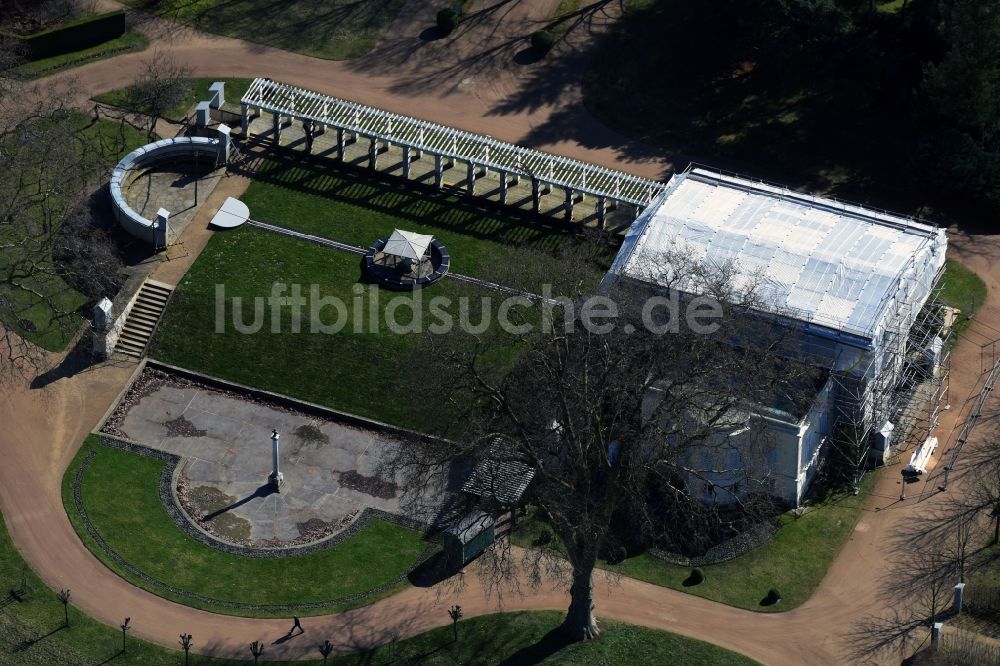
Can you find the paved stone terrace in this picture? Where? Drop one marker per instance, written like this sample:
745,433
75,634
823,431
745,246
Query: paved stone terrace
330,469
172,187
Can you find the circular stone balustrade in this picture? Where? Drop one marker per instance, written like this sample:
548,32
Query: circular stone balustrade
138,162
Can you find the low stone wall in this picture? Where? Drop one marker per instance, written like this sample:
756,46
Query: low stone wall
739,545
140,159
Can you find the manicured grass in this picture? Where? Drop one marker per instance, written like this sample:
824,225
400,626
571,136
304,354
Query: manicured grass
794,562
353,207
530,638
131,42
962,289
330,29
235,89
47,329
31,633
367,372
120,495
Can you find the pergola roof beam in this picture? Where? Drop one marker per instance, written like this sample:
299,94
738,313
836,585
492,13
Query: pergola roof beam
283,99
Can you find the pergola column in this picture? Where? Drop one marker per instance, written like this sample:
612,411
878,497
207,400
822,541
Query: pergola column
470,179
602,210
503,186
307,127
341,146
568,207
438,172
373,154
245,113
406,162
276,127
535,196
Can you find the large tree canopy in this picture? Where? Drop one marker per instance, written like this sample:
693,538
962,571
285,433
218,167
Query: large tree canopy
628,423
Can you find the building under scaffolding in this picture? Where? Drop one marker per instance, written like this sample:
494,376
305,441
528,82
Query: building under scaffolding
857,288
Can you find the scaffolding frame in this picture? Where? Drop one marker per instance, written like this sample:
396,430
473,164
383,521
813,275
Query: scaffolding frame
479,151
900,381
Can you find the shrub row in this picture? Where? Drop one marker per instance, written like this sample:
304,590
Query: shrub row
74,36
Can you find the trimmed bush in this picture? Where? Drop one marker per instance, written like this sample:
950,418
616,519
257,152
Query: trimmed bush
618,555
448,19
773,597
695,578
542,41
74,36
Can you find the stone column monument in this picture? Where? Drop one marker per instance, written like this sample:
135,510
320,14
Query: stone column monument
275,477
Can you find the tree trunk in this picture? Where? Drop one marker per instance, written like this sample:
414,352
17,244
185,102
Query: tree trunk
580,623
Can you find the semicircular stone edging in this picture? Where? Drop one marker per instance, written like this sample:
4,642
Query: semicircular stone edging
181,520
164,150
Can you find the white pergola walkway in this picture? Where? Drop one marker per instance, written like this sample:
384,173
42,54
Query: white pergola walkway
480,153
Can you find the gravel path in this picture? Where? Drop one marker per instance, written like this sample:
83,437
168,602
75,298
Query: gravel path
42,428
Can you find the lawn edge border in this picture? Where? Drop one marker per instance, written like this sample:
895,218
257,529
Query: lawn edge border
167,474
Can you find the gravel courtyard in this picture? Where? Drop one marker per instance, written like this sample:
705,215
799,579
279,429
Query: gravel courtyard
330,469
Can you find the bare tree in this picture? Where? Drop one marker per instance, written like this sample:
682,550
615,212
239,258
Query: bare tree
638,419
326,649
48,241
64,597
256,649
161,86
186,646
984,490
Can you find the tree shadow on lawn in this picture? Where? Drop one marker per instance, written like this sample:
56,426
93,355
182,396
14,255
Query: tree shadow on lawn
415,201
551,643
812,100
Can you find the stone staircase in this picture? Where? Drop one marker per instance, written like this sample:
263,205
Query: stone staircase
143,318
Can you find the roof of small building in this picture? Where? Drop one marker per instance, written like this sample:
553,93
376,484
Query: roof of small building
500,476
822,261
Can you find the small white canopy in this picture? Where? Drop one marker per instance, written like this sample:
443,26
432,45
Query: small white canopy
407,244
233,213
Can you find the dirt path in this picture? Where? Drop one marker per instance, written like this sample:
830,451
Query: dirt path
44,426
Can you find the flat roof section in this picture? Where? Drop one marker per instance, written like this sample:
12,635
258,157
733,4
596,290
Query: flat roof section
822,261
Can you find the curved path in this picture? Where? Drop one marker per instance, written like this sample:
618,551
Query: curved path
43,427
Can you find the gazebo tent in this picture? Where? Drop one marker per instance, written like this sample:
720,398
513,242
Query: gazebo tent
407,244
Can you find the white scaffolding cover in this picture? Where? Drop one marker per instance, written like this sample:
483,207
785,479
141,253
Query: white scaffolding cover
407,244
823,262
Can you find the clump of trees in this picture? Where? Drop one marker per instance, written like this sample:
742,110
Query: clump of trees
894,103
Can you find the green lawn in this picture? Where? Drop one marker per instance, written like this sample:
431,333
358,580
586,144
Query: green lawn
330,29
351,206
31,632
794,562
235,89
28,314
529,638
962,289
130,42
367,373
120,495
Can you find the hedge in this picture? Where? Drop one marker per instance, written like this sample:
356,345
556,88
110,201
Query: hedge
74,36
